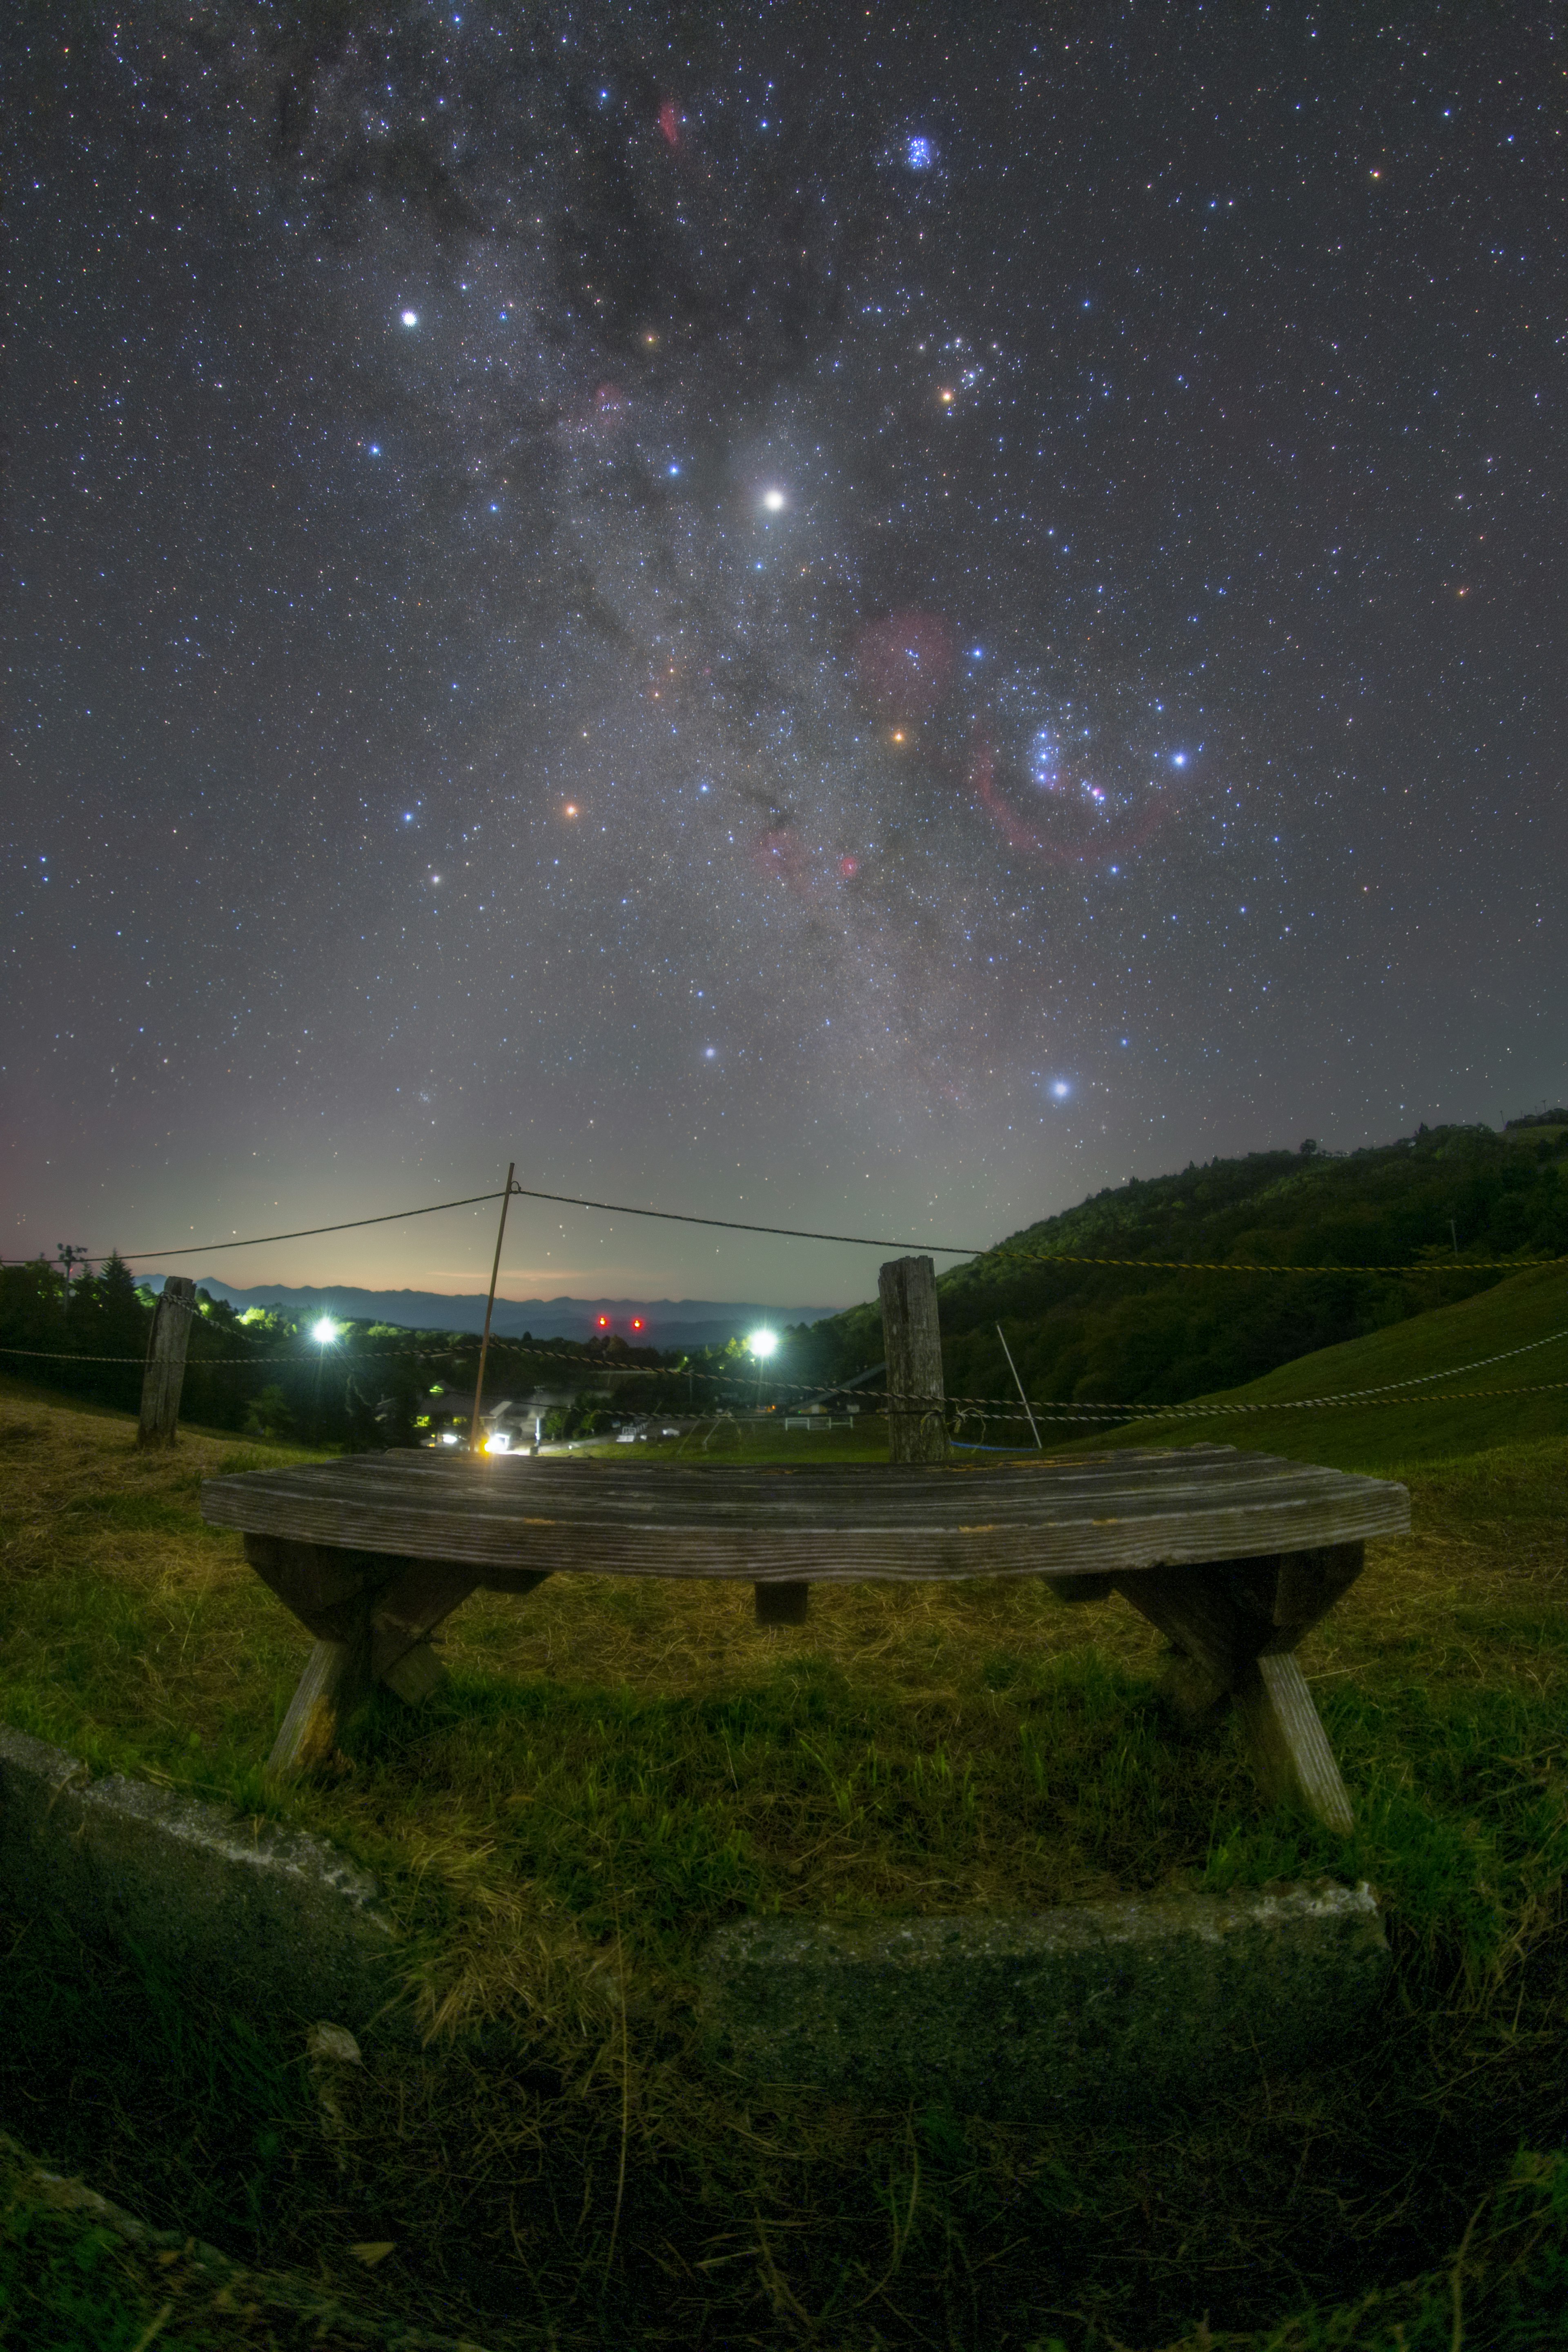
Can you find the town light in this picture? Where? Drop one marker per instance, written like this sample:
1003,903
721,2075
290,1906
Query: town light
762,1344
325,1332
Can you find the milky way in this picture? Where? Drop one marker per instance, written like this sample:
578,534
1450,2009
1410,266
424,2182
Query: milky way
893,617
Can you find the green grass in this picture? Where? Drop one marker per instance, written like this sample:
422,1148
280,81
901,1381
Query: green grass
1379,1433
73,2279
617,1766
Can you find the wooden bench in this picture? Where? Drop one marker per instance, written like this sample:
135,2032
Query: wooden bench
1232,1555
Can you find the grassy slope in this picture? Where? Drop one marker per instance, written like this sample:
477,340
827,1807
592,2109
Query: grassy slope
1149,1335
616,1768
1406,1427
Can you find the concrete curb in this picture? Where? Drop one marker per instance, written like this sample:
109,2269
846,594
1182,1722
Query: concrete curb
1120,2006
262,1920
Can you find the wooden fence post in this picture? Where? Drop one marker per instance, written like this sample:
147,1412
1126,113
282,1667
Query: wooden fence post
166,1373
917,1432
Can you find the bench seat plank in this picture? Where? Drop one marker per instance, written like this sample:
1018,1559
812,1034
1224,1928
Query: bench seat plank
1114,1514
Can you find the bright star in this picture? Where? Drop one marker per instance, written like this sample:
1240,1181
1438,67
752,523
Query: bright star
1178,759
774,501
411,317
1060,1088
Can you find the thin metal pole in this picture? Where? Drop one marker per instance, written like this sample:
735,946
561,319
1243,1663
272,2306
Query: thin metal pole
1022,1399
490,1311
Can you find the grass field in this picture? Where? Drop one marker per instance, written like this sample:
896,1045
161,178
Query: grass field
616,1768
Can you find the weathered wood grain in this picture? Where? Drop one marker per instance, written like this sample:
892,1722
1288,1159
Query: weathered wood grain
416,1676
408,1611
1193,1609
165,1375
336,1676
1234,1626
1233,1556
1310,1584
1289,1749
511,1518
324,1585
911,1343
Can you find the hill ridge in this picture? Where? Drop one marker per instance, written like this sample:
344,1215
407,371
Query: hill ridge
1145,1334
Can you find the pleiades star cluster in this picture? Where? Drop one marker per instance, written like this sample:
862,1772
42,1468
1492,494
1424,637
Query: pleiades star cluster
875,611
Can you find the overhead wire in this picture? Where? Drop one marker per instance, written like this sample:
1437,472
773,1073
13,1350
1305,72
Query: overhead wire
997,1252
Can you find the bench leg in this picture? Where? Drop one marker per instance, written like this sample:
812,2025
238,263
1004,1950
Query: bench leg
1191,1608
1234,1626
1290,1748
415,1676
404,1615
783,1604
336,1677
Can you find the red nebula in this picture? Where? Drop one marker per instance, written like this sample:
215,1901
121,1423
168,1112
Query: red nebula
780,851
903,664
1072,835
669,122
983,784
849,867
602,415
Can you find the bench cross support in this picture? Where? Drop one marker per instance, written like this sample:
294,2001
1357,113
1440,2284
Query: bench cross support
1233,1628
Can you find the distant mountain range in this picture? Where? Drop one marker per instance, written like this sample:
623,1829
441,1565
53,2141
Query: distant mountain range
668,1322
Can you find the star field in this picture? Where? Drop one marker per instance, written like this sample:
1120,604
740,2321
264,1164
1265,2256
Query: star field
894,614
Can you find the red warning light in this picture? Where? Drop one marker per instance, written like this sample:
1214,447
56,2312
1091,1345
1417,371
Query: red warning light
637,1322
603,1322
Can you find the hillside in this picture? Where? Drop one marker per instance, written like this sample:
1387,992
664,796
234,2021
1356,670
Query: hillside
1411,1421
1091,1332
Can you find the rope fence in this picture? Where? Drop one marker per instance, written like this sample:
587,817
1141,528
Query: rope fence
994,1408
904,1401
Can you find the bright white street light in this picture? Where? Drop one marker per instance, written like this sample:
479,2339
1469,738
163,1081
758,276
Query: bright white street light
762,1345
325,1332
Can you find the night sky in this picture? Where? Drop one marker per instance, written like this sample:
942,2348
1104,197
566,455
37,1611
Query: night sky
874,618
